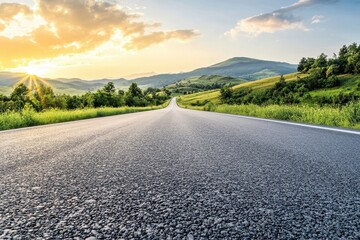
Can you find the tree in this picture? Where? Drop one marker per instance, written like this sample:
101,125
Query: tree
321,61
302,65
45,97
21,92
342,59
19,98
167,92
135,91
88,100
74,102
281,83
332,70
353,59
226,93
107,97
109,88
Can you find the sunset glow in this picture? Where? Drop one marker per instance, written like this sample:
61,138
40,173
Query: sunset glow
35,70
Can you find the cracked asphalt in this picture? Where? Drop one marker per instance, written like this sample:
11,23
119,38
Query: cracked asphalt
179,174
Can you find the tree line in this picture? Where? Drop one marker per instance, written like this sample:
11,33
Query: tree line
43,98
322,73
346,62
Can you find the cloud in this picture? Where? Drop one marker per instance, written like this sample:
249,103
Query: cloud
144,41
73,27
10,10
317,19
278,20
267,23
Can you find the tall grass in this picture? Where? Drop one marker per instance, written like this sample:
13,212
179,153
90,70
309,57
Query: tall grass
29,117
347,116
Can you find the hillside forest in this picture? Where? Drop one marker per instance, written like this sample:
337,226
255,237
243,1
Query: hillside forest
320,73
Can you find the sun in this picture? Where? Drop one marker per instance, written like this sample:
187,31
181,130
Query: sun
35,70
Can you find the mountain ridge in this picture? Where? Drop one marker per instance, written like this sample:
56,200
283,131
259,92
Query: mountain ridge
237,67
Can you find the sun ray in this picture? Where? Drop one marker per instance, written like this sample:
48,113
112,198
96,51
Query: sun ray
31,83
37,88
43,81
22,80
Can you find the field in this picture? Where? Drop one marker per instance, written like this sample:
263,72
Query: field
197,84
28,117
346,116
213,95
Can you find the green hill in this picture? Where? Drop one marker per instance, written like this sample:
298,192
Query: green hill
247,68
348,84
197,84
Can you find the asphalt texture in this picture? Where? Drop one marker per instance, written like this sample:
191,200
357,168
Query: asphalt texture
179,174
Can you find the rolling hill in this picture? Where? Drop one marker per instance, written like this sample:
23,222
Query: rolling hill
348,83
239,67
202,83
69,86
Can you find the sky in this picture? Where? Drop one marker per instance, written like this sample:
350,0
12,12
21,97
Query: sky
92,39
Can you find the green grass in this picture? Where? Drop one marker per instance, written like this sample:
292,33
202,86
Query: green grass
213,95
346,116
28,117
349,83
268,82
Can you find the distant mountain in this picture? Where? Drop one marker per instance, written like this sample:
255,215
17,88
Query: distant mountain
83,85
61,85
247,68
239,67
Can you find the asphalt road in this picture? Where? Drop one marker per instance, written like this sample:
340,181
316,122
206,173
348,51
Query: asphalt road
179,174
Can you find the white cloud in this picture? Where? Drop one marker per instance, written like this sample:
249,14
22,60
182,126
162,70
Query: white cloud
278,20
317,19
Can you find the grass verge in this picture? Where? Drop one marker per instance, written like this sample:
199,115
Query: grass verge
29,117
347,116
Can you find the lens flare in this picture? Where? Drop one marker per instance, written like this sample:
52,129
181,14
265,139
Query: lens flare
35,70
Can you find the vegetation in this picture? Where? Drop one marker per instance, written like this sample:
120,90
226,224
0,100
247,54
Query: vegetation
346,62
315,95
25,107
322,73
347,116
28,117
203,83
214,95
43,98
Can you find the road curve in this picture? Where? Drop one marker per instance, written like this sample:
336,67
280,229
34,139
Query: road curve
179,174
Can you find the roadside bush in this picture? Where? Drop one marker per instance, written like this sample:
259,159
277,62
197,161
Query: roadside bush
211,107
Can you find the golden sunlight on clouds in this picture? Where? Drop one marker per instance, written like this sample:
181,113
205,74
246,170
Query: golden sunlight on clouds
143,41
74,27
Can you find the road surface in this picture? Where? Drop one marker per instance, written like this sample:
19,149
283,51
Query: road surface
179,174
